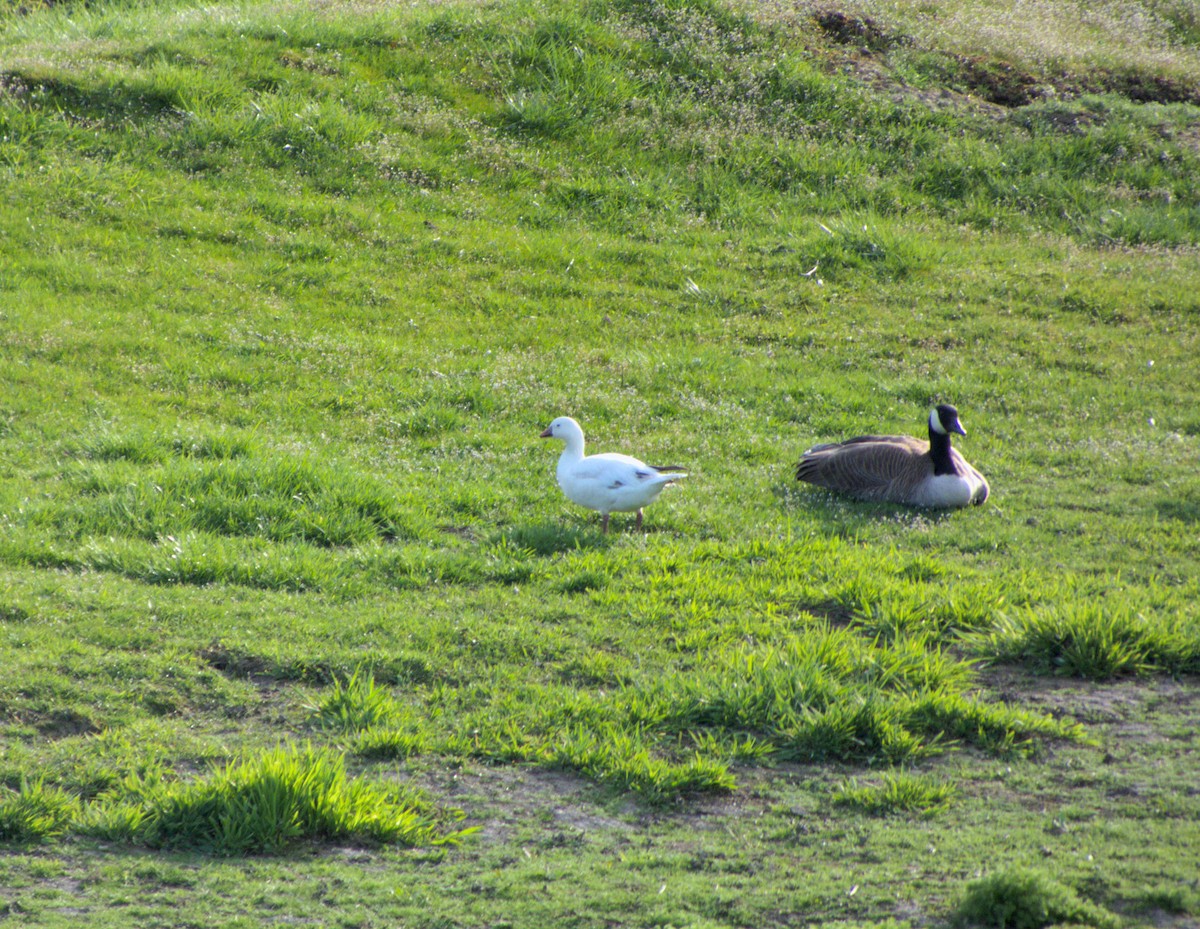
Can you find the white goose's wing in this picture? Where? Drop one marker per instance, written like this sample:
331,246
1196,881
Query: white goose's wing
615,471
614,483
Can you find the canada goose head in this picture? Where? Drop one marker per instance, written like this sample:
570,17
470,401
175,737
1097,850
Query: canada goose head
943,419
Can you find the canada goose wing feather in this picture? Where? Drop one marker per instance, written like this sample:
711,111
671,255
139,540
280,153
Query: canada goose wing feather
869,467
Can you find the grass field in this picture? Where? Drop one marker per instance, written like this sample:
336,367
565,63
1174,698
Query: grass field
296,626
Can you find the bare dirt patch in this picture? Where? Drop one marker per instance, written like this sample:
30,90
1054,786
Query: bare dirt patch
1122,704
846,29
62,724
994,79
505,801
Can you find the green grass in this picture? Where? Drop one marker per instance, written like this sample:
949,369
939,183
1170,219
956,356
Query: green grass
900,793
287,294
263,804
1088,639
356,704
1027,900
35,812
260,804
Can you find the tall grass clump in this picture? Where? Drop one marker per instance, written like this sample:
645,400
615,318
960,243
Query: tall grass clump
898,793
1092,640
355,703
620,759
389,744
35,812
260,804
994,728
1027,899
831,696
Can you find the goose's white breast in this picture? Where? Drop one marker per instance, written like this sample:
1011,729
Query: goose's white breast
947,490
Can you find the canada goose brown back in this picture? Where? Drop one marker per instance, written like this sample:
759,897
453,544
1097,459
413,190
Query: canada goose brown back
899,468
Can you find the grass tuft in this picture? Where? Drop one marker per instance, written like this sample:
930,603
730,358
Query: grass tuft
1092,640
830,696
388,744
1028,899
35,812
355,703
899,793
263,803
618,759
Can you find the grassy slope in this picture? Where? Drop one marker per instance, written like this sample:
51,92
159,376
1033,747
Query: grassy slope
288,292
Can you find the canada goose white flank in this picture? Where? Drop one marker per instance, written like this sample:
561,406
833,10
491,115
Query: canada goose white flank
607,483
899,468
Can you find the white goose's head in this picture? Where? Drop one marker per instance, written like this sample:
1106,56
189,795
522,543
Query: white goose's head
943,419
565,429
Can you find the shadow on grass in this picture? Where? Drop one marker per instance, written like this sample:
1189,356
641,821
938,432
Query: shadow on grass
96,100
1184,509
390,668
826,505
553,538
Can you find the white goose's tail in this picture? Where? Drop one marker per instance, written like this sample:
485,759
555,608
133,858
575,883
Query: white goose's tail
668,473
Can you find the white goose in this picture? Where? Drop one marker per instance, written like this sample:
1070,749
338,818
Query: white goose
608,483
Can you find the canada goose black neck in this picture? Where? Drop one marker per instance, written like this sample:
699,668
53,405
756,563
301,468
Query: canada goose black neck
939,451
939,439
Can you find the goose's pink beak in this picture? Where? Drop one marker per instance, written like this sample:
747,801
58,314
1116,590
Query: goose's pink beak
547,434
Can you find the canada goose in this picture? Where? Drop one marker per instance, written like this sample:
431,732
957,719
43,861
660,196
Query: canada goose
608,483
899,468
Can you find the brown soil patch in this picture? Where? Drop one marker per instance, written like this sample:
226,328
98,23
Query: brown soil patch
853,30
995,80
232,662
1121,704
63,724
